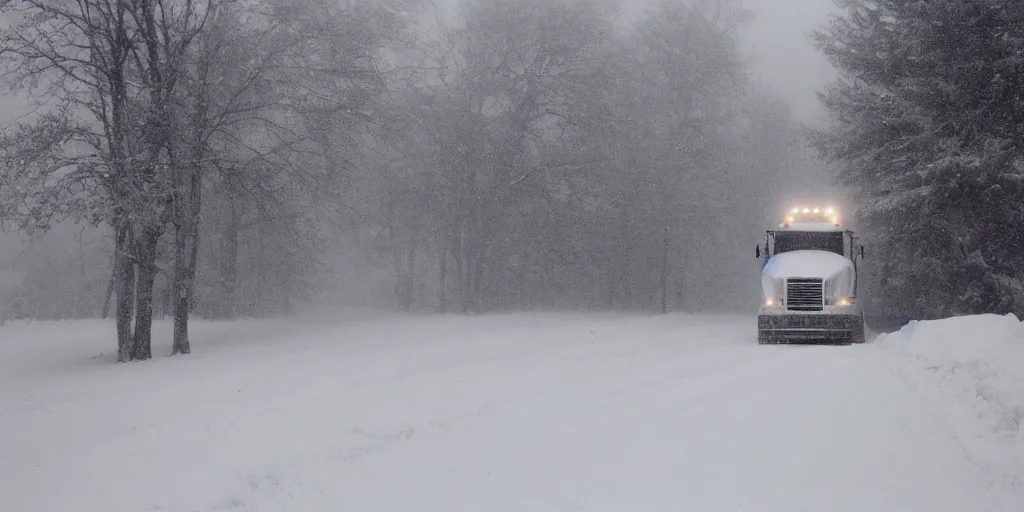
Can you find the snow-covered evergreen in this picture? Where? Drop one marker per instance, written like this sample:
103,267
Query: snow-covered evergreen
928,119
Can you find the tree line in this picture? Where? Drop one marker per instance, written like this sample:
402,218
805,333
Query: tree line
529,154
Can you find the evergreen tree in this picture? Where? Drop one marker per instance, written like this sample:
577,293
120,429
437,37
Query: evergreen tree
928,118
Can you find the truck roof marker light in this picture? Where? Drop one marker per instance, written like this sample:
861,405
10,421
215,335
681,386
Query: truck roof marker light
817,210
807,210
796,210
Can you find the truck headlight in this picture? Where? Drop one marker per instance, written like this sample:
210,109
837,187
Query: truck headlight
844,301
772,288
770,301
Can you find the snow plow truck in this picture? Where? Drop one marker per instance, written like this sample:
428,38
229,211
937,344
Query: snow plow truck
809,281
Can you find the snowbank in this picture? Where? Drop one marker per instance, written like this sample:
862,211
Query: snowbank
978,362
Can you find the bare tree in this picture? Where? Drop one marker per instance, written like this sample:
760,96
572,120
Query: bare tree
118,61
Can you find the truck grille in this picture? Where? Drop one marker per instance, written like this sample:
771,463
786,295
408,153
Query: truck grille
804,294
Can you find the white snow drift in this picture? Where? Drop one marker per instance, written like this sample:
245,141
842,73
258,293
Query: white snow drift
974,370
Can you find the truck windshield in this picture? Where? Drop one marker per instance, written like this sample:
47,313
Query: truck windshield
809,241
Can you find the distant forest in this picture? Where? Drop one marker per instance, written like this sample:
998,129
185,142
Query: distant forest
226,159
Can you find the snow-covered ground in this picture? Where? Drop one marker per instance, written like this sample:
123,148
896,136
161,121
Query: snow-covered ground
537,412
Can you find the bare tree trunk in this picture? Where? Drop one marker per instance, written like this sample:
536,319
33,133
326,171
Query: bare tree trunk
142,346
193,260
410,277
196,205
80,289
258,301
501,295
468,288
475,295
168,294
135,289
124,282
186,253
611,293
442,279
110,283
180,292
621,292
461,272
664,274
396,262
229,263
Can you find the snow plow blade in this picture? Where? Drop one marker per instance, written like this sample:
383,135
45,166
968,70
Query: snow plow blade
810,329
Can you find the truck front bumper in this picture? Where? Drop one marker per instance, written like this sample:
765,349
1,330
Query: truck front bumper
835,325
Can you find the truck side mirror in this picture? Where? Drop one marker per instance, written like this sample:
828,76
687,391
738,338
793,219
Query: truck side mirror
757,252
862,252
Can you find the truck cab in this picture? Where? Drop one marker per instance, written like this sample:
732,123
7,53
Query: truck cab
809,281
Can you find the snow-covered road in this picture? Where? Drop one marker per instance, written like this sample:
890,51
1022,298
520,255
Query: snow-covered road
513,412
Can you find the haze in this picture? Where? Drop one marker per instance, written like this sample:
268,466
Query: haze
511,255
776,55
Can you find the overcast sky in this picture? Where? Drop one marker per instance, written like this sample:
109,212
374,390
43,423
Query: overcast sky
778,40
785,58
